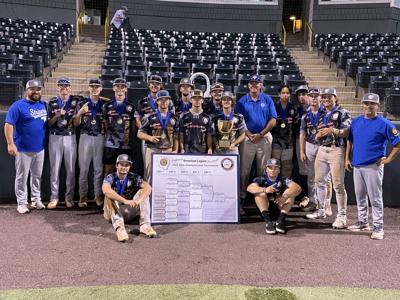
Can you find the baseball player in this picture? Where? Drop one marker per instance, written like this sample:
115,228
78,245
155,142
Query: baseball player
213,106
126,195
283,132
368,137
330,157
119,123
273,187
62,141
196,128
91,142
260,116
184,92
227,140
25,129
159,130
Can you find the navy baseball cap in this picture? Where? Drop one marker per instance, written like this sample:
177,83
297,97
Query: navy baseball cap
273,162
120,81
64,81
217,86
314,91
255,78
162,94
155,78
33,83
301,88
371,97
94,81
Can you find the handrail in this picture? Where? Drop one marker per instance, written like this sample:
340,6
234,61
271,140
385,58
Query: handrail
79,23
106,26
284,35
310,35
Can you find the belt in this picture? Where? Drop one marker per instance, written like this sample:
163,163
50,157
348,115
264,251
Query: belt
330,146
62,134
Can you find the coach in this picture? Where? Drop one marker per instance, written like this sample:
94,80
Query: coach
368,137
260,116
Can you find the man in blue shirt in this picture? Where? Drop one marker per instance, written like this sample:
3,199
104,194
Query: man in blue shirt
260,116
25,130
368,137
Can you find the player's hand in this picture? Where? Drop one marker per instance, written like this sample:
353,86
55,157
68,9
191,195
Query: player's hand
232,147
132,203
382,161
271,189
84,109
155,138
281,201
209,151
12,149
324,132
256,138
303,157
348,166
62,112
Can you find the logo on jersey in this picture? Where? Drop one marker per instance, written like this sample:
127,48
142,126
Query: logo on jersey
205,120
395,132
172,121
235,120
292,112
129,108
263,104
335,116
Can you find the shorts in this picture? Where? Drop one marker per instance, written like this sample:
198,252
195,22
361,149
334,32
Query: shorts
110,155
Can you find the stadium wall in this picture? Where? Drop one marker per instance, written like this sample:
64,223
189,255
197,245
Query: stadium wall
203,17
7,175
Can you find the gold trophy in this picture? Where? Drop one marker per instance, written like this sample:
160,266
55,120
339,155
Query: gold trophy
225,128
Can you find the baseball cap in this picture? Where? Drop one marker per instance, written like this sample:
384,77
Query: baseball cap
95,81
197,93
301,88
64,81
255,78
185,81
370,97
162,94
33,83
227,94
273,162
155,78
314,91
125,8
120,81
217,86
124,158
329,91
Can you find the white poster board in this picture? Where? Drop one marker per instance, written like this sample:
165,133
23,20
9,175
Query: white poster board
194,188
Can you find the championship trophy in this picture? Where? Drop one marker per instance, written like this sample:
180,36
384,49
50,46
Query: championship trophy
225,128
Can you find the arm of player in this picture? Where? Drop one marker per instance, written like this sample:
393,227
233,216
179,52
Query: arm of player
175,147
9,133
291,192
239,140
78,117
181,142
145,192
111,194
393,154
146,137
254,189
302,143
347,161
271,124
209,143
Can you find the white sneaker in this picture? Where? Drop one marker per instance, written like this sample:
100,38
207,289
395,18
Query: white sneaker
340,222
328,209
377,235
315,215
82,202
23,209
38,204
52,204
69,203
358,226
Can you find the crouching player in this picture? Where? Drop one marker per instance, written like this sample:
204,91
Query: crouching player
272,187
126,195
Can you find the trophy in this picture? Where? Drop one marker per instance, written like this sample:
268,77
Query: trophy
207,94
225,128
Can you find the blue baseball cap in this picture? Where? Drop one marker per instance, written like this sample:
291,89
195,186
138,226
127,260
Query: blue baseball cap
64,81
255,78
162,94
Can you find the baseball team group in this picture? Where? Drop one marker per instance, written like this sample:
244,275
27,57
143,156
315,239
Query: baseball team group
305,130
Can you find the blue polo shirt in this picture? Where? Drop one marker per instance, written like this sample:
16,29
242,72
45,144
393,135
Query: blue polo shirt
369,138
29,120
256,113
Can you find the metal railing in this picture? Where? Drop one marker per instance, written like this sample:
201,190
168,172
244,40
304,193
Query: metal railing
283,35
308,30
79,23
107,26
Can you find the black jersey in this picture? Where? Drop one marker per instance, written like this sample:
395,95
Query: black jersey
126,189
181,107
283,133
119,124
280,184
195,129
309,125
167,128
92,122
64,124
148,105
338,118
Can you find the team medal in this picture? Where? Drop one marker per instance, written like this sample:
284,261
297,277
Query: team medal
93,111
163,136
283,125
284,113
163,123
93,122
313,131
119,109
119,121
64,122
65,107
314,121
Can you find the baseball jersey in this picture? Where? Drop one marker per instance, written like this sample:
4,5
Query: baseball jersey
256,113
300,112
63,125
181,107
195,128
167,128
338,118
29,121
92,122
370,138
148,105
309,125
127,187
280,184
210,108
238,127
282,133
119,124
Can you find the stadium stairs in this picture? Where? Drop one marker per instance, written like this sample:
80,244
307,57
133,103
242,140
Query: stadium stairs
82,62
318,73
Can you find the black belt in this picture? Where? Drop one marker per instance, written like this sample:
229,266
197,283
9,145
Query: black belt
62,134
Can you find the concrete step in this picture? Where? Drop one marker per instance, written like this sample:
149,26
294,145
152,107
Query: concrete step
84,60
78,68
71,75
323,77
74,81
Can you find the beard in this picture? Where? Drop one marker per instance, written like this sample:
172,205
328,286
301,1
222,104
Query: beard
35,97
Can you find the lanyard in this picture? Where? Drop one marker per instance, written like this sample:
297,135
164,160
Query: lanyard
313,119
230,117
185,107
269,182
121,188
119,108
94,108
153,105
163,122
284,111
327,117
60,103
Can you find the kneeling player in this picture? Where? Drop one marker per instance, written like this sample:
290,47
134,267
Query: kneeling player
126,195
273,187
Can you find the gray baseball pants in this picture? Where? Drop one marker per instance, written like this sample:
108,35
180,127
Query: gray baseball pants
90,149
368,184
62,146
26,162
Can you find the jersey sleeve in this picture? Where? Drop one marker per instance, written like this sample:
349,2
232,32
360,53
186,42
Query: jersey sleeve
303,124
346,119
145,125
242,125
13,114
210,126
392,134
109,179
259,181
272,109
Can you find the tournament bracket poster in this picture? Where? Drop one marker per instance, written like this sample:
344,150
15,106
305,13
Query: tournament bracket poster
194,188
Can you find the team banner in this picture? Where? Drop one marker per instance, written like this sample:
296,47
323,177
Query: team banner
194,188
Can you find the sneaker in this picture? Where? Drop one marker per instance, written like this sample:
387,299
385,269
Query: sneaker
99,200
69,203
340,222
52,204
23,209
82,202
359,227
328,209
270,228
315,215
38,204
377,235
311,206
122,235
304,202
280,228
148,231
